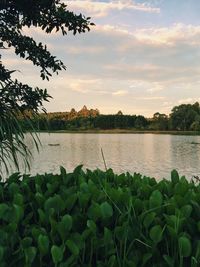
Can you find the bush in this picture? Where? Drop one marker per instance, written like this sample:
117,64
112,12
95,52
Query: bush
96,218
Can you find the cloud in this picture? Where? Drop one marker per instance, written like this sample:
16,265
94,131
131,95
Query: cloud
116,53
151,98
82,85
167,104
170,35
14,62
150,87
102,9
159,66
120,93
89,50
155,88
189,100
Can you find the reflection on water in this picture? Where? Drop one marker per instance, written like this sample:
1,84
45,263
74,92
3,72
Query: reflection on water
150,154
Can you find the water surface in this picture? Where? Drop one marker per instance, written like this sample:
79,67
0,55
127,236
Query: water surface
150,154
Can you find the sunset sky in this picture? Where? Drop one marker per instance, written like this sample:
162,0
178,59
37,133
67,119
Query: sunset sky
141,57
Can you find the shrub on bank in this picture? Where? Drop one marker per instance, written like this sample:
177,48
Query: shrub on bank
97,218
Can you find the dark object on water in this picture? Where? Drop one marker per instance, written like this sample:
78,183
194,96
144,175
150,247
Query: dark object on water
53,144
195,143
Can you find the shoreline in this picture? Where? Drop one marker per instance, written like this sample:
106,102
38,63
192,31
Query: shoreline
124,131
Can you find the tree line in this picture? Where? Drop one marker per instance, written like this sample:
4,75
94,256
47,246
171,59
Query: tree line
185,117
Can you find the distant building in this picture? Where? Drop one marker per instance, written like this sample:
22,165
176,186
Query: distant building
119,113
84,112
72,114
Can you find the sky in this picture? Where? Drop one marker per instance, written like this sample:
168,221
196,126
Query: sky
141,57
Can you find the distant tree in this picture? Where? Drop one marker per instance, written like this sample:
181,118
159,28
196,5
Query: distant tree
183,116
196,107
141,122
195,126
159,122
15,97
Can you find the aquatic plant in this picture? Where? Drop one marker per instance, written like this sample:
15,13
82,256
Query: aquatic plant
95,218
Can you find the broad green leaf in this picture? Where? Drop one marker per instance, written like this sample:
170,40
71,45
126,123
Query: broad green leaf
83,199
65,226
36,231
92,226
13,188
106,210
149,219
57,254
43,244
30,254
84,187
175,221
94,211
156,233
156,199
185,247
78,170
40,199
181,188
174,177
70,201
18,212
74,249
63,172
42,216
55,203
18,199
186,210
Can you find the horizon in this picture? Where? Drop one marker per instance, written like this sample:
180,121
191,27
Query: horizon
123,113
140,58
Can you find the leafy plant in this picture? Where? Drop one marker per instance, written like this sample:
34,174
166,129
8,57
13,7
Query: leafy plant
97,218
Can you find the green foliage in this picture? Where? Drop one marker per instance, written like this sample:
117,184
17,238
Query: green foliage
43,244
97,218
48,15
185,246
57,254
16,98
159,122
60,122
183,117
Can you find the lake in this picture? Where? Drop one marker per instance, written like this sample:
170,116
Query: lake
149,154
